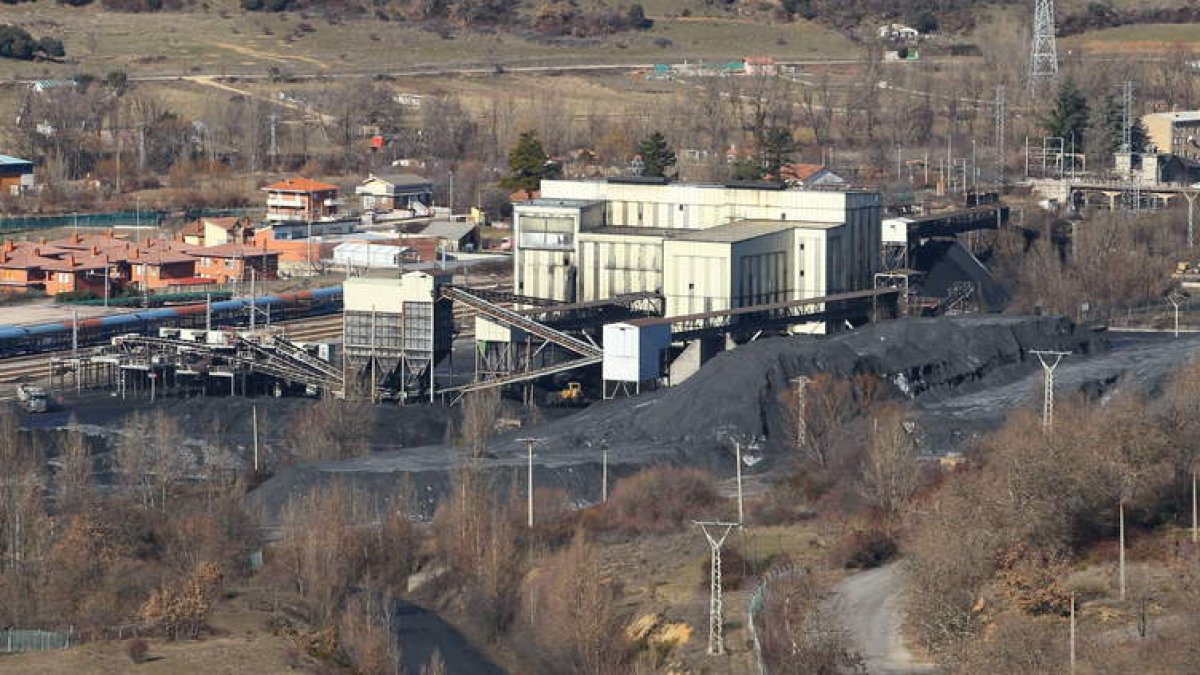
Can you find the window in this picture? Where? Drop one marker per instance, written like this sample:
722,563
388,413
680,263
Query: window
64,277
554,232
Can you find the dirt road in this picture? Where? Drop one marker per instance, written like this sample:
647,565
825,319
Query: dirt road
870,606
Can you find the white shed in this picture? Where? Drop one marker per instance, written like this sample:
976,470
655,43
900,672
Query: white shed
633,352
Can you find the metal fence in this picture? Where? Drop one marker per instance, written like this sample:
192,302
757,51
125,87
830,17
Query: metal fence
110,220
758,598
18,640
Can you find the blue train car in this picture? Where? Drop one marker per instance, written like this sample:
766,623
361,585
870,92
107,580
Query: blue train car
57,336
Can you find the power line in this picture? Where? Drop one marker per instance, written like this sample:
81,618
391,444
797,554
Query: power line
1049,360
715,532
1043,58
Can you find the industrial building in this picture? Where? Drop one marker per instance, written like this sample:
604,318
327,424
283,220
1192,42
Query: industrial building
1175,133
396,331
704,248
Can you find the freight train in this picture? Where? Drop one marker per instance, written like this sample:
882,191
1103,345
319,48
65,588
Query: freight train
58,336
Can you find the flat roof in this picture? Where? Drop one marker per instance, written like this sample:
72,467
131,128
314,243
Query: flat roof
565,203
742,230
1181,116
9,159
619,231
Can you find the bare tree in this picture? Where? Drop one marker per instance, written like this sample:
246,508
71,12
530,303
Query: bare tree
480,410
890,473
800,633
75,474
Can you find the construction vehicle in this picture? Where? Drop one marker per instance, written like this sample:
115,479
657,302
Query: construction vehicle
570,395
33,398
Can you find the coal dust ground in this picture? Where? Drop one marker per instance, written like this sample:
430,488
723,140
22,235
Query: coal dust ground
961,374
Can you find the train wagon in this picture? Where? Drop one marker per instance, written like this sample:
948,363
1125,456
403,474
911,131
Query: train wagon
62,335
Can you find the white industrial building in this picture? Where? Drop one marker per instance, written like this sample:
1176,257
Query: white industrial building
703,247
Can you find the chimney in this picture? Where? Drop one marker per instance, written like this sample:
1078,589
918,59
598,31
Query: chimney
95,250
9,245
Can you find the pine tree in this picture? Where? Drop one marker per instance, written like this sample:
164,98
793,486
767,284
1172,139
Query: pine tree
657,156
774,149
1069,118
529,164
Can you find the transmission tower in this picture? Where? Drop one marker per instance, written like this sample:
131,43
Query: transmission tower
715,532
1043,57
999,115
1127,117
1049,363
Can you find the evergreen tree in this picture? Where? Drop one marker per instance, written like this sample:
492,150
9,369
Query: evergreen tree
1106,131
657,156
1069,118
529,164
775,145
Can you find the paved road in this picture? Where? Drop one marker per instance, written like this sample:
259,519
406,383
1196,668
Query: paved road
870,606
421,632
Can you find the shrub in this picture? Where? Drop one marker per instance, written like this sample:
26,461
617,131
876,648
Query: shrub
864,548
660,499
137,649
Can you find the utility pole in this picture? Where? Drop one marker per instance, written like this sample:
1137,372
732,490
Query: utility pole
1195,524
208,313
715,532
1049,362
529,443
604,473
1176,298
737,445
1072,632
254,418
999,112
1190,196
1043,58
1121,516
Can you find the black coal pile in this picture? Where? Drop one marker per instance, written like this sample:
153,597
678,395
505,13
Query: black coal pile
739,392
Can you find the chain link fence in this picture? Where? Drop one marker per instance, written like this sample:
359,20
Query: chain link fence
758,599
14,640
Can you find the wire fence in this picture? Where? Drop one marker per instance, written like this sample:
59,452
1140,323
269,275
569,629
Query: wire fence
14,640
758,599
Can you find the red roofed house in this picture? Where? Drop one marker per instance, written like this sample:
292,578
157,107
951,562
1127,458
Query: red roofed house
301,200
216,231
21,268
74,274
234,261
761,65
160,267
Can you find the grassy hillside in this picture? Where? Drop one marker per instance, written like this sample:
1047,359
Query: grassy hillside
235,42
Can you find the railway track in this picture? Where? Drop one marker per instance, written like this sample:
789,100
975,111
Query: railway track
309,329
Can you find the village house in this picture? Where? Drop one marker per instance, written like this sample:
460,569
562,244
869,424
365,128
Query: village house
233,262
75,274
217,231
396,192
301,200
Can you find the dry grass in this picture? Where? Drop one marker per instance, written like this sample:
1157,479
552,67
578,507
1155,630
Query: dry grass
212,42
246,646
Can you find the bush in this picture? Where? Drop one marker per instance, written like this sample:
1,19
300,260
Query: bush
864,548
137,650
661,499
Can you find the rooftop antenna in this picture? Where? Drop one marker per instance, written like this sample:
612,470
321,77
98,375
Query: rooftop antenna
715,532
1043,58
1049,361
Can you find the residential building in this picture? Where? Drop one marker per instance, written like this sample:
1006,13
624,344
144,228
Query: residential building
75,274
160,267
301,200
764,66
704,247
217,231
396,192
16,175
233,262
21,270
